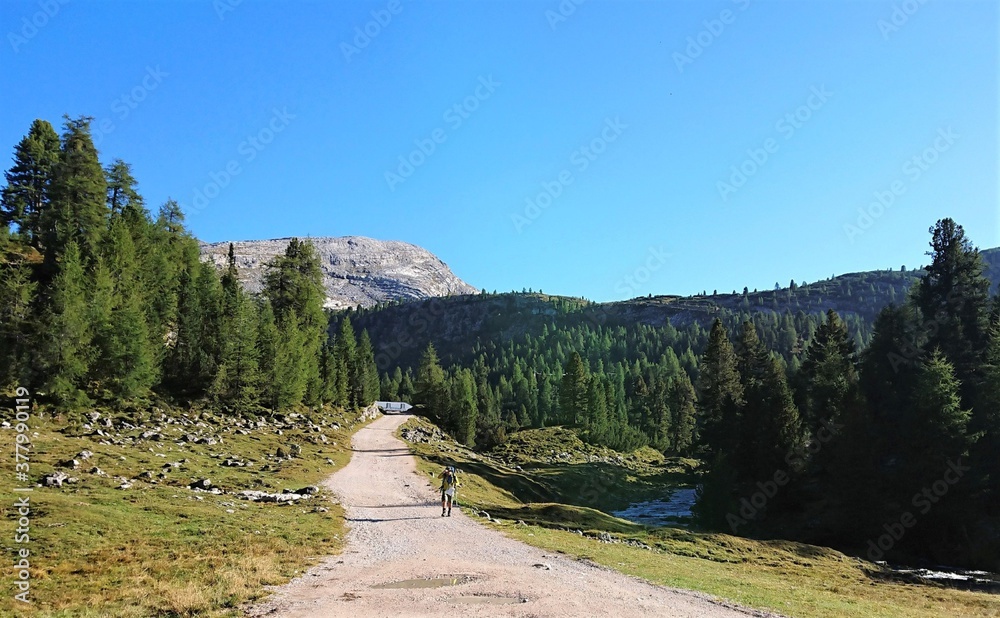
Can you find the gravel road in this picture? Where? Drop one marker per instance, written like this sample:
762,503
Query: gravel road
397,533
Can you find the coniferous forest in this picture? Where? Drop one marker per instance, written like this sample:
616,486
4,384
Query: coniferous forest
103,303
821,427
809,426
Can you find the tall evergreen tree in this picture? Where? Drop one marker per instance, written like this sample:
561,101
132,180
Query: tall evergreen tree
65,344
29,182
366,371
78,210
720,393
683,414
953,299
828,377
237,380
345,365
430,389
574,391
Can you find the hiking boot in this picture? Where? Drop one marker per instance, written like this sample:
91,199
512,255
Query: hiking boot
449,512
442,513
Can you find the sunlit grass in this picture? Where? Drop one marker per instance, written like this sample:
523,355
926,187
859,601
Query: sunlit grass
162,549
794,579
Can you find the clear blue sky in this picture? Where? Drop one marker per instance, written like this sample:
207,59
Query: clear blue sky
673,95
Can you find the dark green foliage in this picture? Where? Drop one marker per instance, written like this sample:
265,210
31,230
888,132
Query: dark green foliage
65,333
720,393
431,391
953,300
99,301
29,182
78,210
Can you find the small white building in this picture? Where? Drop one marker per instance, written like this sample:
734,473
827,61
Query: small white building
393,407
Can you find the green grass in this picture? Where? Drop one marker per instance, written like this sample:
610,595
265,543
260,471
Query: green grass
794,579
161,549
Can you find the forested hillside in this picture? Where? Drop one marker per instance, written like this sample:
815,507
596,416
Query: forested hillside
103,303
814,426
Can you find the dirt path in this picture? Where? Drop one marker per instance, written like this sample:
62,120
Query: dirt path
397,533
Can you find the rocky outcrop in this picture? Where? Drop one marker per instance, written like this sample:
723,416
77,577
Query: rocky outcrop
356,270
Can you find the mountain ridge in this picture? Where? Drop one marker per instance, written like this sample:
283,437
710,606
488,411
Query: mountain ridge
357,271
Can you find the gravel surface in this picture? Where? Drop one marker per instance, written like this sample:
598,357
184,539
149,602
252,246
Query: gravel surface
397,533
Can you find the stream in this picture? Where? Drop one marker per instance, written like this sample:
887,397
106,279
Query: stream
672,510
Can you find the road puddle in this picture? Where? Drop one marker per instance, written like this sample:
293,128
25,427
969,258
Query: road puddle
489,600
434,582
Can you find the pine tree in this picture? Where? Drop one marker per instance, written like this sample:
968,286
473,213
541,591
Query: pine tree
124,367
267,354
770,428
291,379
829,378
29,182
293,282
367,371
237,380
78,210
344,352
122,195
574,391
939,421
66,333
683,414
953,299
463,399
430,390
720,393
986,420
17,323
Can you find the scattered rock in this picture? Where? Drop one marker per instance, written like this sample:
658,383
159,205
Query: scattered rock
98,472
125,485
70,463
203,484
310,490
543,566
84,455
56,479
146,476
263,496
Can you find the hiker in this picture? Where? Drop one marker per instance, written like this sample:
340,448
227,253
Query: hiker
449,482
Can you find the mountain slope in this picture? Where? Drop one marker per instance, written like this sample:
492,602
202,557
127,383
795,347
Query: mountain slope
455,325
356,270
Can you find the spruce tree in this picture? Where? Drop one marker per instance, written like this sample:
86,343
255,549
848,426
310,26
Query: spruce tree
366,371
66,332
720,393
344,352
463,399
828,376
940,422
267,354
953,299
430,391
683,414
17,322
237,380
29,182
78,209
574,391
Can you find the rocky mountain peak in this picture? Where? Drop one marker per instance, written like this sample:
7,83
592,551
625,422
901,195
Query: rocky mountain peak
357,271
